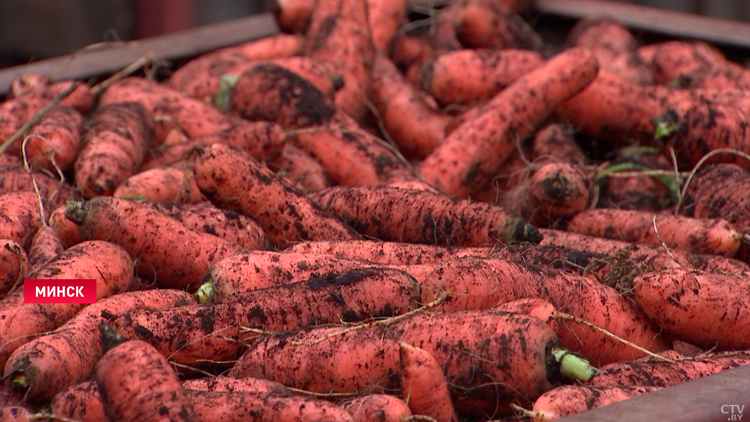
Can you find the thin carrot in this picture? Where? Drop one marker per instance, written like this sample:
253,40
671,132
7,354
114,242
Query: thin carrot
385,18
54,142
271,47
66,230
45,246
424,385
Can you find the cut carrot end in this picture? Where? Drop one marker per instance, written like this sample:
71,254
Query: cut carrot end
21,381
573,366
205,293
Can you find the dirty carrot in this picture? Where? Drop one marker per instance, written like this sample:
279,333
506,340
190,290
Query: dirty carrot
377,407
170,184
424,385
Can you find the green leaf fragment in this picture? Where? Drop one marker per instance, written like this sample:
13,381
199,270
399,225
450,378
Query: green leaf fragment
573,366
224,93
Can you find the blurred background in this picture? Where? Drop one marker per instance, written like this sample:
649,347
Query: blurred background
36,29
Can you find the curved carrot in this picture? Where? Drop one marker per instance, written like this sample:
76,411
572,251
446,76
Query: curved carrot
681,62
54,142
572,399
492,24
161,184
424,385
45,246
65,229
378,407
483,142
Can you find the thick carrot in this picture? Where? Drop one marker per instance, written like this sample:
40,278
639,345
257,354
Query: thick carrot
555,192
704,309
116,139
80,402
474,151
20,217
489,359
20,322
54,142
162,184
572,399
339,37
488,24
614,47
15,178
396,253
14,265
262,140
424,385
414,123
237,182
218,333
708,236
26,83
679,62
471,77
651,372
138,384
377,408
299,169
165,249
45,246
45,366
206,218
441,219
65,229
385,17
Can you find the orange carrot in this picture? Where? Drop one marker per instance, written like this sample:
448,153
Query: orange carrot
223,384
271,47
538,308
80,402
394,98
709,236
165,249
116,139
17,414
441,220
237,182
572,399
554,143
65,229
377,407
679,62
385,17
20,322
43,367
339,37
614,47
488,24
424,384
45,246
138,384
14,265
470,77
162,184
483,142
15,178
411,52
637,192
299,169
20,217
465,344
54,142
691,310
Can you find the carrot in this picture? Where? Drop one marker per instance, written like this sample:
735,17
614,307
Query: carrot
293,16
45,246
424,385
691,311
46,365
484,141
271,47
262,140
650,372
80,402
14,265
20,322
237,182
299,169
554,143
484,372
26,83
162,184
441,220
385,18
678,62
395,98
206,218
387,252
470,77
339,37
709,236
65,229
15,178
377,408
555,192
211,335
538,308
17,414
572,399
54,142
116,139
411,52
614,47
165,249
255,270
225,384
635,192
138,384
487,24
19,217
713,194
170,108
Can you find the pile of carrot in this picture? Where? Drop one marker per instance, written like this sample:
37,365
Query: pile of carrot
392,211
